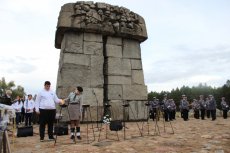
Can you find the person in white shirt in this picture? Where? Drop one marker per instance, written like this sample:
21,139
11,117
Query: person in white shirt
29,107
17,105
45,107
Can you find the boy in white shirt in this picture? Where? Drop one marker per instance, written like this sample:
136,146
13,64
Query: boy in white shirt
29,106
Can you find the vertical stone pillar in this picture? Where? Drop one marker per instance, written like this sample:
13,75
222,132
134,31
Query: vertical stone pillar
100,51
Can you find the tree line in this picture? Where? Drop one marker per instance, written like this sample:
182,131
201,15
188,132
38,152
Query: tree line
194,92
16,90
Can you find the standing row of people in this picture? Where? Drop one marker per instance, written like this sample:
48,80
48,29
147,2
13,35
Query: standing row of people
201,107
24,109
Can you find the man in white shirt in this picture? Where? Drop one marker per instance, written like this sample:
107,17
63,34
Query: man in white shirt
45,107
29,106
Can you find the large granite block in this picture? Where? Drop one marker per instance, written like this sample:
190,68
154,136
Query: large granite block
137,110
135,92
76,59
96,75
93,96
73,42
93,48
92,37
118,66
114,92
137,77
116,109
114,41
113,50
136,64
131,49
74,76
119,80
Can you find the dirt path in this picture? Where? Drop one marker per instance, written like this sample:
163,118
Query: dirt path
193,136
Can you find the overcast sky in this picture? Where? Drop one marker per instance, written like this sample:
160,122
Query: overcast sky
188,42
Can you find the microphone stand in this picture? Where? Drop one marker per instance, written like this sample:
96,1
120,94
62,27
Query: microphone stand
97,105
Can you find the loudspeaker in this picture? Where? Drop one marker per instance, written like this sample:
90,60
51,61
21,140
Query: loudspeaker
115,125
25,131
61,129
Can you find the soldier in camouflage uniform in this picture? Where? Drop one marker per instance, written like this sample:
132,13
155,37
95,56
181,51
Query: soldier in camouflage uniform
202,107
172,109
196,108
212,107
154,105
165,107
207,107
225,107
185,108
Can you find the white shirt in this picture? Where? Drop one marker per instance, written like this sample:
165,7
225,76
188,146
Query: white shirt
17,107
46,100
29,104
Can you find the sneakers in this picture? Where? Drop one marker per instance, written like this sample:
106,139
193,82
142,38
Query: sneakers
72,137
41,139
79,137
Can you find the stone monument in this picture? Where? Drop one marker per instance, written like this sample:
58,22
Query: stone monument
100,51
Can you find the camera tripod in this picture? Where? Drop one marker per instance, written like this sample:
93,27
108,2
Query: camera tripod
107,114
163,115
154,117
126,106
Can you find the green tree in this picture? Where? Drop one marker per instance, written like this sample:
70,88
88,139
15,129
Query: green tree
16,91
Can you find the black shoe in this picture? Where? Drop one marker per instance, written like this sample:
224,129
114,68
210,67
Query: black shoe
51,138
41,139
79,137
72,137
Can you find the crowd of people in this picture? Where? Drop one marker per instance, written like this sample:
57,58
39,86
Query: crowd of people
201,107
42,109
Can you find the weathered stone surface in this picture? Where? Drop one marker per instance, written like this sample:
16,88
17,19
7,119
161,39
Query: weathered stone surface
137,77
114,92
100,18
92,37
74,76
134,92
93,48
119,80
93,96
131,49
136,64
96,75
114,41
116,109
72,43
113,51
119,66
100,51
137,110
76,59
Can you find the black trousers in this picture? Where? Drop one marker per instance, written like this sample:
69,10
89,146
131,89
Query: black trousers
185,114
18,117
202,113
166,115
225,114
47,116
208,113
213,114
196,114
28,119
